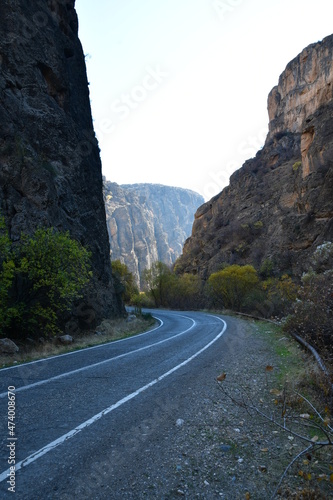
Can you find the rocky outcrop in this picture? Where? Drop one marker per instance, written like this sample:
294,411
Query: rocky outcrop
148,223
278,206
50,170
304,87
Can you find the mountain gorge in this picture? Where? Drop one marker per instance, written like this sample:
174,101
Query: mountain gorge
278,205
50,169
148,223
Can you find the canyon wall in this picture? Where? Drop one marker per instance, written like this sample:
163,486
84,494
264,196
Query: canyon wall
278,206
50,169
148,223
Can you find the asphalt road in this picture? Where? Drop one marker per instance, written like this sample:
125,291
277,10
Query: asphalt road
79,416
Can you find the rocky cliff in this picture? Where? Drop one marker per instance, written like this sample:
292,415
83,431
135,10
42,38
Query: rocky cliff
279,205
148,222
50,170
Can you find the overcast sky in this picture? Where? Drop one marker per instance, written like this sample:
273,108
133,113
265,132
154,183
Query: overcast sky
179,87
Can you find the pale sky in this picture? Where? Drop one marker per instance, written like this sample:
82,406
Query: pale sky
179,87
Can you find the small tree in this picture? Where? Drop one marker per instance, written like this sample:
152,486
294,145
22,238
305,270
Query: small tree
233,284
156,281
44,275
122,274
188,291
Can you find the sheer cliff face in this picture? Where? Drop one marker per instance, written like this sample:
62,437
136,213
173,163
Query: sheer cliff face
148,223
304,87
278,206
50,170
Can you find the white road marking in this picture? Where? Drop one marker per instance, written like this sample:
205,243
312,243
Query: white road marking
85,349
54,444
100,363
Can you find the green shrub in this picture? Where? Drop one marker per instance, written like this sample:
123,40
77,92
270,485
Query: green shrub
257,303
296,165
281,294
126,280
258,225
141,300
313,309
7,272
157,282
42,277
313,314
266,269
185,292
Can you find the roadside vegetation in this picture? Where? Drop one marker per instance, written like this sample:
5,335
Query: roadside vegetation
44,274
304,307
298,399
108,331
41,277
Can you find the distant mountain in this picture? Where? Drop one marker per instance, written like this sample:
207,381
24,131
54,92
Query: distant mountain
148,222
279,206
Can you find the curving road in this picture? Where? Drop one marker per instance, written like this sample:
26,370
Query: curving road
73,411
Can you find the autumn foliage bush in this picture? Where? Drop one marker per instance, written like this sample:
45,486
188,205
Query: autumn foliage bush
165,288
231,286
234,287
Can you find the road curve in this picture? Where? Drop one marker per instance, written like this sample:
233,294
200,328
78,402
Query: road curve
70,407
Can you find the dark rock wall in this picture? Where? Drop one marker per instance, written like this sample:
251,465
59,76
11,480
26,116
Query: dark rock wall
148,223
279,205
50,169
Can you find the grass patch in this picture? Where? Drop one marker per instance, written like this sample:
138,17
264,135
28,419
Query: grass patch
292,358
109,331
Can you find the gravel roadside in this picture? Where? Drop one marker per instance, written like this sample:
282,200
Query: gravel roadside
205,446
194,442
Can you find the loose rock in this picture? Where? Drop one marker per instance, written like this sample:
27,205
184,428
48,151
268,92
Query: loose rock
7,346
65,339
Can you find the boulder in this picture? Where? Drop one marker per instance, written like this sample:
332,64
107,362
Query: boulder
65,339
7,346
